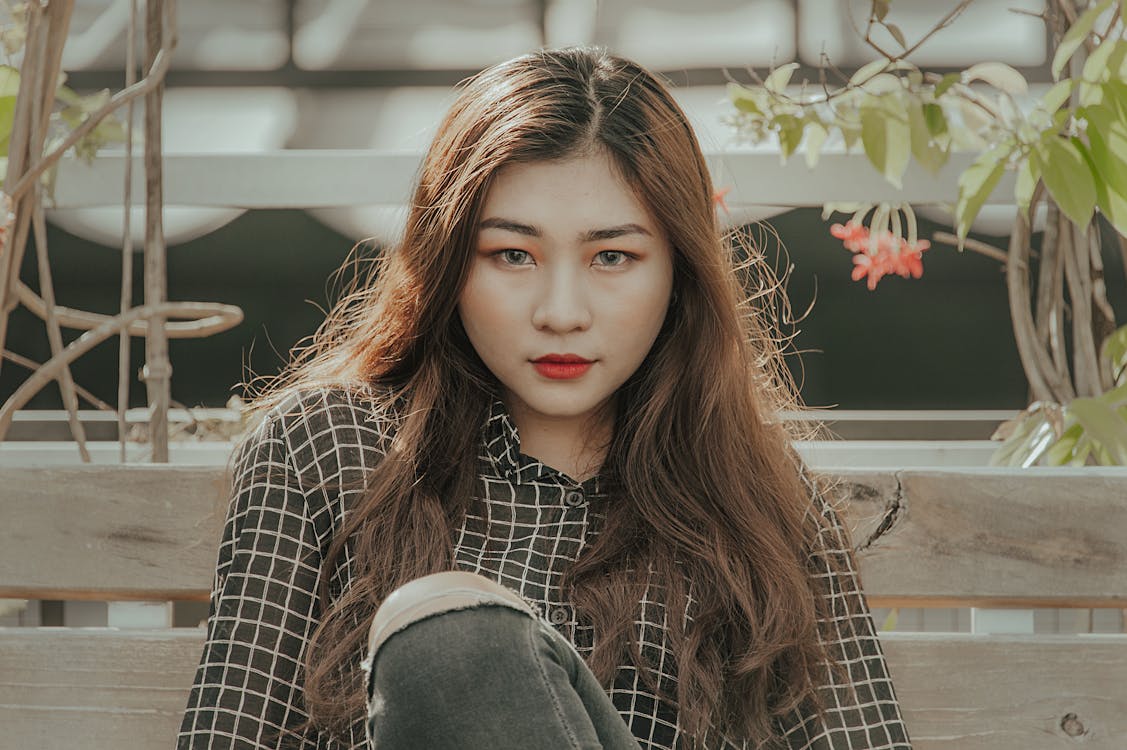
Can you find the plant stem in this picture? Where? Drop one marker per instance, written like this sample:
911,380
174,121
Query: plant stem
15,241
1054,319
219,317
1078,275
1034,359
944,23
1103,316
1123,254
54,334
84,343
93,400
154,78
123,339
47,31
1046,280
977,246
158,369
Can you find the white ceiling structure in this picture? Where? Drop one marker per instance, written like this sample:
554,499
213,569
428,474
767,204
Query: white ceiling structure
464,35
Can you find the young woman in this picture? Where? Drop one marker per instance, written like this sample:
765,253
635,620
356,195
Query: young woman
555,394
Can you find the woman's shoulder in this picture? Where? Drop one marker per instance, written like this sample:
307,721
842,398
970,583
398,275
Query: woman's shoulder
315,408
334,429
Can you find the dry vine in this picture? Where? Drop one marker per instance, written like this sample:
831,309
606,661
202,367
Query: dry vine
48,24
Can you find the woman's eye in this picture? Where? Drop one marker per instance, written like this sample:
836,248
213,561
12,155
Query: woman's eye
613,257
514,257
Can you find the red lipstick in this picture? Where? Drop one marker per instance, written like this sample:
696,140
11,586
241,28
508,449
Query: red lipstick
562,366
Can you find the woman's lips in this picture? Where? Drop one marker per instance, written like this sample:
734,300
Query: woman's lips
562,367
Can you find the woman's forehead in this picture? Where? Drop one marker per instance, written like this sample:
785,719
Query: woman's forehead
563,190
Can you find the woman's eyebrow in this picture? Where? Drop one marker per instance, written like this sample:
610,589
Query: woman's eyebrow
591,235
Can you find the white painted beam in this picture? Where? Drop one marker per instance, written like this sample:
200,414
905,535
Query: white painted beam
329,178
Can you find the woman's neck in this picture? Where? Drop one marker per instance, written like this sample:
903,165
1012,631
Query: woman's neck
573,446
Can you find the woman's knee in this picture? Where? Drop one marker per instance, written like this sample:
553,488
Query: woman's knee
434,595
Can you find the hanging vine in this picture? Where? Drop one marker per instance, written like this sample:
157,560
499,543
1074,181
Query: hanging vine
47,121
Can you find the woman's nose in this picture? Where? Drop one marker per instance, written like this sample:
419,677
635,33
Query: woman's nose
563,303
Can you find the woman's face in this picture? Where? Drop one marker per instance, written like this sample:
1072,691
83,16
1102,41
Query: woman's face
568,264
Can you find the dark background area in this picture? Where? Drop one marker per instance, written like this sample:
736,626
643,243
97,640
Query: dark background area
940,342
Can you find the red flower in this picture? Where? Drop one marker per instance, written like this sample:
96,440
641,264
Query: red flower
893,254
909,261
718,198
854,236
874,267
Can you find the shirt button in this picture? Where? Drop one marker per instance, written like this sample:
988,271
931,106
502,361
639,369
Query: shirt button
558,615
574,498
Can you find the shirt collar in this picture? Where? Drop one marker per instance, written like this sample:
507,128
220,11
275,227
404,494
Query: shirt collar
502,451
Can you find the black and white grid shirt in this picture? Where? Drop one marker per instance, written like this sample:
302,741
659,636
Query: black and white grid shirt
527,524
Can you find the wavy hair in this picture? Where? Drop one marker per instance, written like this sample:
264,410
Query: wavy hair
708,489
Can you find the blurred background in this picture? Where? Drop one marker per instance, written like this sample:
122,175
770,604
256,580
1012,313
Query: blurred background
264,75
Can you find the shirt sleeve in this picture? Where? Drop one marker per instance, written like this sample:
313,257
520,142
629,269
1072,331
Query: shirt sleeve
247,689
861,711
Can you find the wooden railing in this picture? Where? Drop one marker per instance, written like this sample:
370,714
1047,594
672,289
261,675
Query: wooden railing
983,537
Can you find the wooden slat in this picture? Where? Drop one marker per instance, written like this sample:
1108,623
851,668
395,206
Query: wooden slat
110,532
969,692
1043,537
98,689
125,690
991,537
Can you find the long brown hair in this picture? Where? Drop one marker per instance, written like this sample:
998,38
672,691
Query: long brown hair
707,489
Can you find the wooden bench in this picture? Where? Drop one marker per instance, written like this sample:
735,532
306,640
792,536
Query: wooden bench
983,537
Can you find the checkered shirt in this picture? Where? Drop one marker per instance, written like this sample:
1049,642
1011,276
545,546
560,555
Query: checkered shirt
527,524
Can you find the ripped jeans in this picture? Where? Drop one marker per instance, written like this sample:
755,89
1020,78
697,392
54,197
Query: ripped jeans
456,661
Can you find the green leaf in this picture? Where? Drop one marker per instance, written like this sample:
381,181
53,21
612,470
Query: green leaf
897,34
790,133
935,118
1027,176
1104,425
7,118
1113,206
816,134
1117,398
924,148
850,132
1063,450
887,137
1113,353
68,96
946,82
1113,94
1076,35
867,71
999,75
1067,177
1096,66
1117,60
975,186
880,9
1107,141
1055,97
780,77
745,99
1031,437
9,80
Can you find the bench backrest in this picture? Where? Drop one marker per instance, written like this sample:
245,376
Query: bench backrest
975,537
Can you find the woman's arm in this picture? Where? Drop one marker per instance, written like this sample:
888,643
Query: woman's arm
247,688
861,709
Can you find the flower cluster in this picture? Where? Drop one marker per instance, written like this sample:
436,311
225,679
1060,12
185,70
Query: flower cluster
894,254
